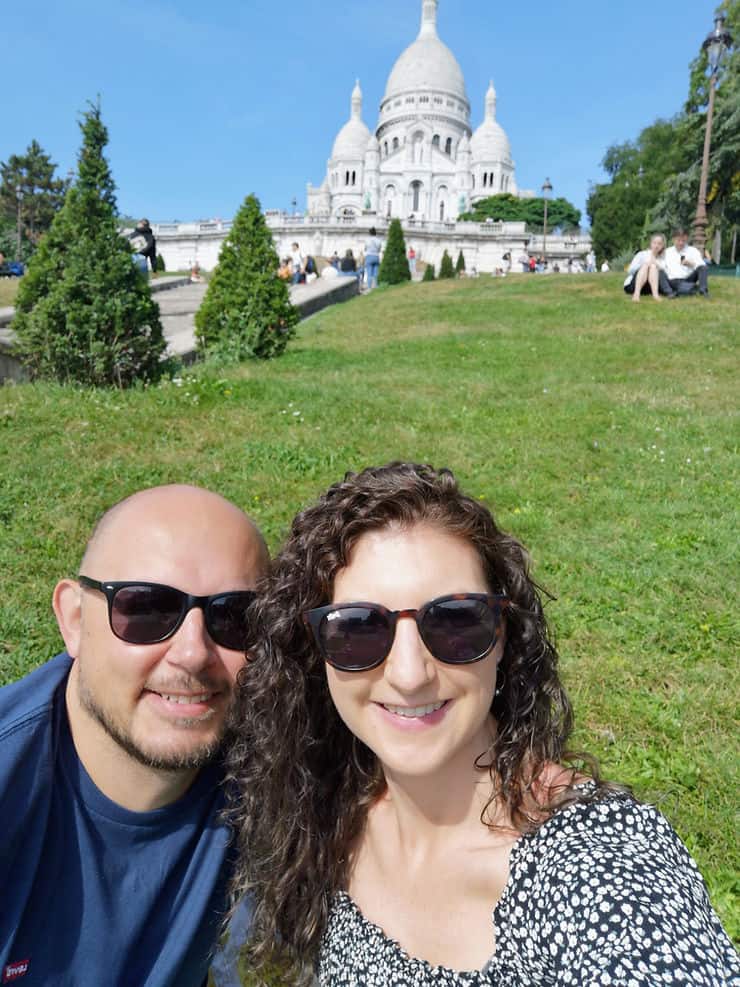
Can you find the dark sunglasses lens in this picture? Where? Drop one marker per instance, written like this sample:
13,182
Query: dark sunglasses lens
228,619
459,631
355,638
145,614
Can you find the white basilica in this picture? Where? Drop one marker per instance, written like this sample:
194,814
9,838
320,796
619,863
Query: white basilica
424,164
423,161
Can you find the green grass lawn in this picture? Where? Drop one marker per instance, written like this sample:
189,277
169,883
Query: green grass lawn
601,433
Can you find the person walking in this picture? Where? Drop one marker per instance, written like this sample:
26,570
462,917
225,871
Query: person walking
373,246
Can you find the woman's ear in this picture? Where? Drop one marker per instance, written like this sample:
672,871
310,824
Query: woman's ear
67,604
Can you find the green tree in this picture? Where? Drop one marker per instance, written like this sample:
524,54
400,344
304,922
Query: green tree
508,208
676,203
620,210
654,180
429,273
395,266
446,269
41,194
460,263
247,309
83,312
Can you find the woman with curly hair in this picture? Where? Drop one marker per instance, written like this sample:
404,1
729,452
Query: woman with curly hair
406,808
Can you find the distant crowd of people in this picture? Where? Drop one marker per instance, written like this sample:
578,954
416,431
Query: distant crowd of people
668,272
299,268
539,264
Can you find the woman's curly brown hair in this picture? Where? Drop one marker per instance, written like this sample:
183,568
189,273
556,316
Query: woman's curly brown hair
301,782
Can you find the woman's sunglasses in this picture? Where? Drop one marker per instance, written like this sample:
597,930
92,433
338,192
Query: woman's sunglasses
147,613
457,629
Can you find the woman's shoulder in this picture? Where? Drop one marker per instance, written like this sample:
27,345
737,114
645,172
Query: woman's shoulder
608,884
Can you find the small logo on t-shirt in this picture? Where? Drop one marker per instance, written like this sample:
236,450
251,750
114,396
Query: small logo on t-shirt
14,970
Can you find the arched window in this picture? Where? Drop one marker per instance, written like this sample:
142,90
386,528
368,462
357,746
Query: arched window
448,146
354,175
441,211
395,143
385,148
416,196
435,140
473,181
485,179
346,178
388,205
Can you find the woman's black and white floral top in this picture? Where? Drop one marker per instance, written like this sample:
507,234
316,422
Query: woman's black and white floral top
602,893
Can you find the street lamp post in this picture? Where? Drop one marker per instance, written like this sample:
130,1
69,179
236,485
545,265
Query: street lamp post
19,200
546,189
715,44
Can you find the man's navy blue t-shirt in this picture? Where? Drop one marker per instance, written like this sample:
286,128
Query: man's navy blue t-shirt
91,893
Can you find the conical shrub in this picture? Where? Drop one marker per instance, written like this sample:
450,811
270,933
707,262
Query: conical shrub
446,270
395,266
247,310
84,313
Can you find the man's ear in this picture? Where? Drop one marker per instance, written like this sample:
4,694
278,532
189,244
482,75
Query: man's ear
67,604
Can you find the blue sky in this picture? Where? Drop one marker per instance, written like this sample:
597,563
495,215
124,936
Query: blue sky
207,102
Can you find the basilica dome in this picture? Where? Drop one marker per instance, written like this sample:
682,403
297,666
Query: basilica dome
489,143
427,63
351,141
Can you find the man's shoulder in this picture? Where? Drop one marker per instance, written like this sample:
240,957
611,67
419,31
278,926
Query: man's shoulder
32,697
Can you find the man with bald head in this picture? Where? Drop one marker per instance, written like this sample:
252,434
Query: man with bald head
114,860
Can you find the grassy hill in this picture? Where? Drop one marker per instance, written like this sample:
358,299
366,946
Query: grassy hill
600,432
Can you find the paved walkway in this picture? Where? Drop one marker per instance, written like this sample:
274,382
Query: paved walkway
178,302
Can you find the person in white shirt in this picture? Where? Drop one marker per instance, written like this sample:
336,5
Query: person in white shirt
685,266
605,267
297,260
646,275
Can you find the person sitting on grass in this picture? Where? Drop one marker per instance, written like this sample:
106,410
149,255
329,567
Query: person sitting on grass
405,803
686,268
646,274
114,859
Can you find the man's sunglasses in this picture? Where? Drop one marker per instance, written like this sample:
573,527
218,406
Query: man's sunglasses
147,613
457,629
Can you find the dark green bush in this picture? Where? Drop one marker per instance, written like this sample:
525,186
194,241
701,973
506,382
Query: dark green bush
395,266
460,263
446,270
83,311
429,273
160,267
247,310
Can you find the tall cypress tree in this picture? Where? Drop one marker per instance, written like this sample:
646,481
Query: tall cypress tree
446,270
83,312
395,266
247,309
460,263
